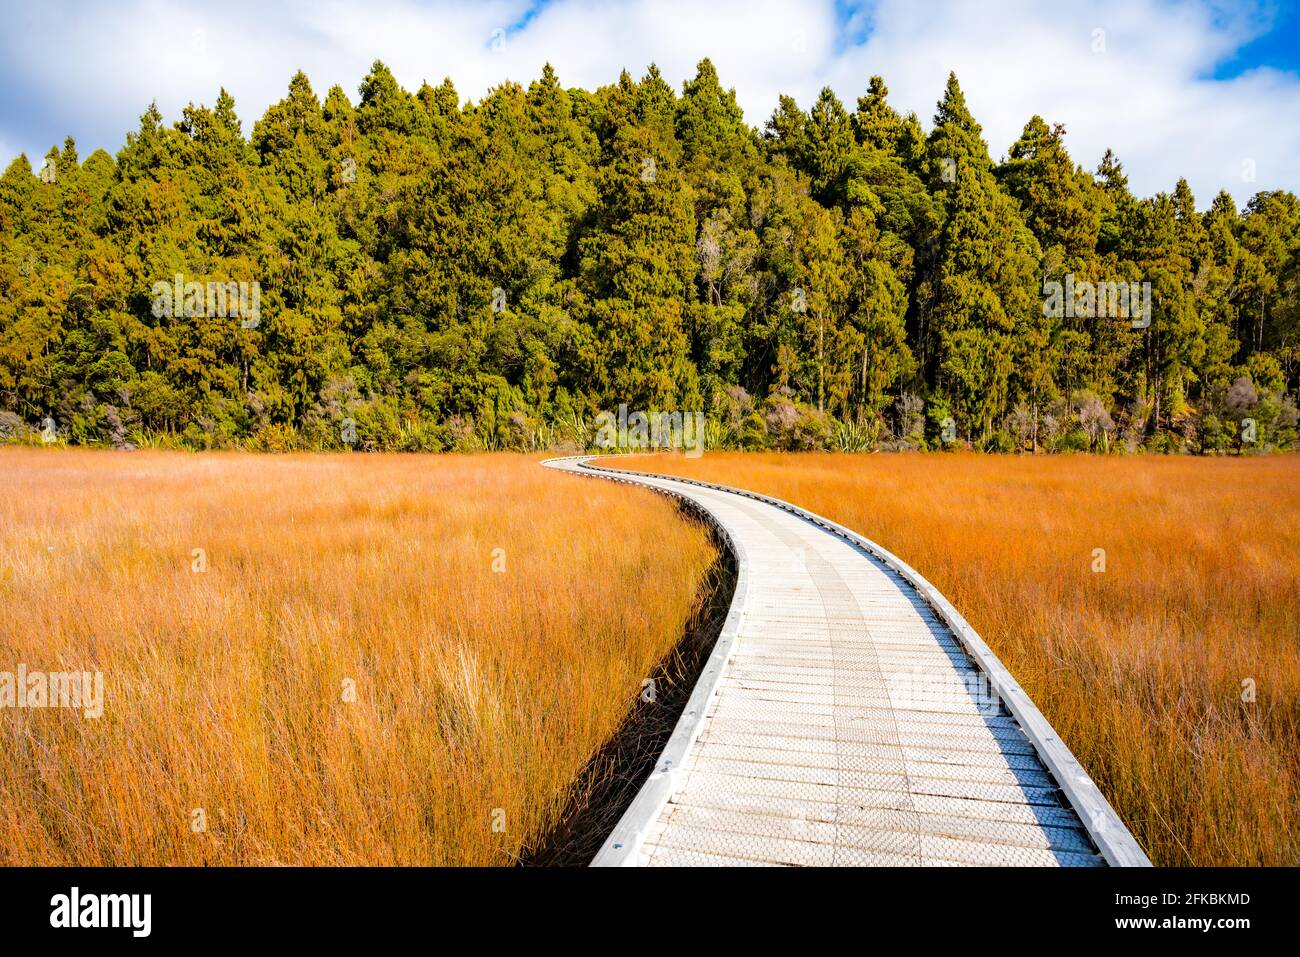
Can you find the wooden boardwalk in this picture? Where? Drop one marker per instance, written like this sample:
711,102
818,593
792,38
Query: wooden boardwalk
850,716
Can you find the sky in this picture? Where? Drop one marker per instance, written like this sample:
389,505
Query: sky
1207,89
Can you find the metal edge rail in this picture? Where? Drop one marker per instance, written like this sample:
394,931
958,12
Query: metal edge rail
624,842
1104,827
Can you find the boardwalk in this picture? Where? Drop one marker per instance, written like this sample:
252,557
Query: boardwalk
850,716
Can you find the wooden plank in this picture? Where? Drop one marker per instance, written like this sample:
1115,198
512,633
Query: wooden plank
698,785
878,757
834,745
879,781
974,747
821,822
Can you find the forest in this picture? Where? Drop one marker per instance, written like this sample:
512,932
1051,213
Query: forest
414,272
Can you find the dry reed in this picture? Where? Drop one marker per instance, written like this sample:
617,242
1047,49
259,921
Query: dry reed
228,734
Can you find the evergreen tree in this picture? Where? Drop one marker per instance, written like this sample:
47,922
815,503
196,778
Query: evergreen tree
437,274
985,299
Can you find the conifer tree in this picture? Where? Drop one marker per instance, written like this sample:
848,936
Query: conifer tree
448,274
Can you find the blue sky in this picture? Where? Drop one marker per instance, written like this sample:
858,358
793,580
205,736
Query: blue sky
1278,46
1209,89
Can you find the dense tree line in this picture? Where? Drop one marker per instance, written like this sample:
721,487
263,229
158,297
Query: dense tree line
432,275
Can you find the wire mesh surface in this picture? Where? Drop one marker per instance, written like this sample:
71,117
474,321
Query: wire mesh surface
850,728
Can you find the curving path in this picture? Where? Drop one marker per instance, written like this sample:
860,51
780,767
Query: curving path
850,716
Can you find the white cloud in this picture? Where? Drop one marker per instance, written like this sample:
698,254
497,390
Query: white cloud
1144,95
90,71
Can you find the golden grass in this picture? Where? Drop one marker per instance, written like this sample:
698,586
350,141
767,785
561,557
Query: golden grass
1140,667
475,690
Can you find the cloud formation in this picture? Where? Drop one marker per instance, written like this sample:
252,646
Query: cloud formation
1134,75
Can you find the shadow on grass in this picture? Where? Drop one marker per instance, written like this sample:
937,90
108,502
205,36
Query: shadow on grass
611,778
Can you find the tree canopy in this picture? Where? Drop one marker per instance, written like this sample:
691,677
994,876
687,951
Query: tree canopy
414,272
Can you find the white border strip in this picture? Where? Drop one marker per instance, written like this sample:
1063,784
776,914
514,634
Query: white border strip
1113,839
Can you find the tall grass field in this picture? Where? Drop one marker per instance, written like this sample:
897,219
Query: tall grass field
375,659
323,659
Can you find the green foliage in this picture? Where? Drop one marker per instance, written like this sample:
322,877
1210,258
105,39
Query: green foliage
438,275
